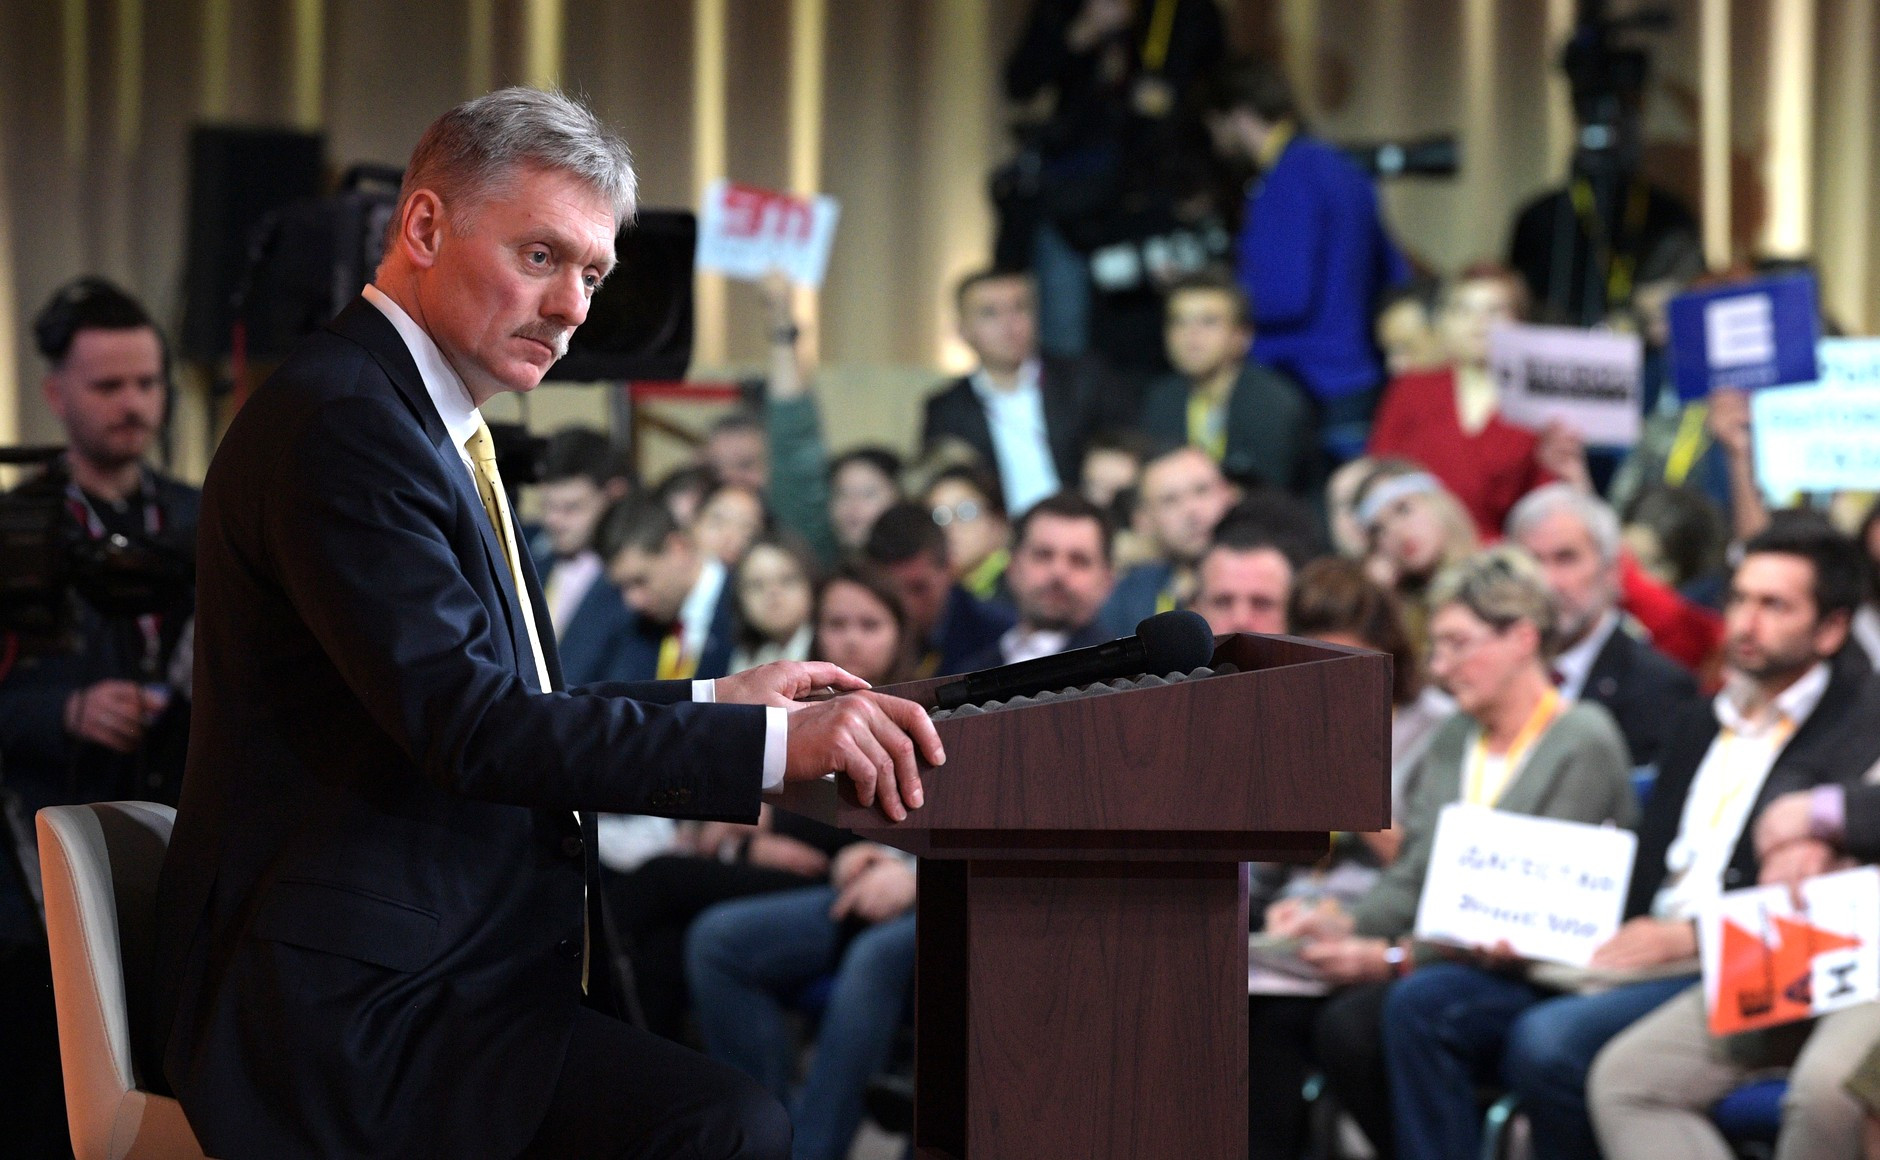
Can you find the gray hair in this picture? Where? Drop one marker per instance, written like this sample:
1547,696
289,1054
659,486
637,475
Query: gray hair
1500,586
474,151
1543,503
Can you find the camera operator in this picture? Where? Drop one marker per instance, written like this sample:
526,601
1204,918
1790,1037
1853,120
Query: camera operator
103,716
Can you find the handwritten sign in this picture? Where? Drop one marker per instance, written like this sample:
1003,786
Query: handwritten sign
1749,335
1823,436
746,232
1552,890
1586,379
1767,961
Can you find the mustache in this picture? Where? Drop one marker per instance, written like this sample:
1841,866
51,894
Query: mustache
555,337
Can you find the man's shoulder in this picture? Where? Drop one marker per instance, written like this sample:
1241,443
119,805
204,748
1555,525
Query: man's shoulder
1637,667
951,392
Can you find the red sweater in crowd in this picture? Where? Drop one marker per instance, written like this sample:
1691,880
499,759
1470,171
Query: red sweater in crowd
1488,471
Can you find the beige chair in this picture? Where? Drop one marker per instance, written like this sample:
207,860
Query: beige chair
100,864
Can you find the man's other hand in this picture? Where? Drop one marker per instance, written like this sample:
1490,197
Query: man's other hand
871,738
784,683
884,891
109,713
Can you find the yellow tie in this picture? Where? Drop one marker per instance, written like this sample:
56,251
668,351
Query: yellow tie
482,452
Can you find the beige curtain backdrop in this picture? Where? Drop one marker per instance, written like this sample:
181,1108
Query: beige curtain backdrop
896,105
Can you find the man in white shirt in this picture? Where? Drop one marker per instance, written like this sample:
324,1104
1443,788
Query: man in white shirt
1575,538
1029,418
1787,719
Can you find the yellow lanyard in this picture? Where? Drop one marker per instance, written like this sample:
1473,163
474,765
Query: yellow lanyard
1728,799
1161,30
1475,789
1692,440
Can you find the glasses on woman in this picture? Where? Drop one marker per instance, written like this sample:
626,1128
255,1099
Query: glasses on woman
964,512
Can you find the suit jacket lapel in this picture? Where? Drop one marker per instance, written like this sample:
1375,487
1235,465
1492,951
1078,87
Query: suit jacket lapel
1057,392
364,324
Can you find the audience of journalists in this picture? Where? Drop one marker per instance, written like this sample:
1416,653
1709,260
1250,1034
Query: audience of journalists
1654,646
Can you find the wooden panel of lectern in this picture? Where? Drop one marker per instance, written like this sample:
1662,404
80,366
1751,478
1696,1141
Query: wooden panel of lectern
1081,980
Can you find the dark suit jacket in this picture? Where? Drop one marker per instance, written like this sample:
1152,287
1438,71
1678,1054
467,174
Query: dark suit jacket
1271,434
1080,400
1802,764
992,656
371,915
1136,597
636,657
595,639
1642,688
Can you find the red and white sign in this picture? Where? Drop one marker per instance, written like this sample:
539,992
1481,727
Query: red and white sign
1768,961
745,232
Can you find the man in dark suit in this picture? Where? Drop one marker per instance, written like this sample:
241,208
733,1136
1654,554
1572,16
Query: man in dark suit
1253,421
1575,537
950,625
1030,418
682,604
375,914
581,477
1060,576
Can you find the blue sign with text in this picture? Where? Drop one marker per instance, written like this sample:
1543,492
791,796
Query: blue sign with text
1748,335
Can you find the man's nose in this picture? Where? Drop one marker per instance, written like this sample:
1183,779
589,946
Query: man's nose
568,300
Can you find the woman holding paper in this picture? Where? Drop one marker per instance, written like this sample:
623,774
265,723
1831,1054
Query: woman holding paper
1515,746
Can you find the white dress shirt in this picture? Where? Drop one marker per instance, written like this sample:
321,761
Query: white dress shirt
1020,443
1725,789
1575,664
1019,645
458,412
567,584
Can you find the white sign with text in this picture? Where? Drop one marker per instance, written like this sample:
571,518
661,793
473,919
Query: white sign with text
1585,379
746,232
1552,890
1822,436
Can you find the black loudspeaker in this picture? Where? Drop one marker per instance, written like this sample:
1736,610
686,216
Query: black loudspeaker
640,324
236,177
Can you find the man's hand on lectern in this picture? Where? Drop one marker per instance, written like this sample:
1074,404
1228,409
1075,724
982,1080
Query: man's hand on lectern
873,739
784,683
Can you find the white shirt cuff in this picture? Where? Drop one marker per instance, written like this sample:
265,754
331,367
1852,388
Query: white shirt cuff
776,734
776,746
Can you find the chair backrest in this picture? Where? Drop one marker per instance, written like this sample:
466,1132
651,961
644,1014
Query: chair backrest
100,864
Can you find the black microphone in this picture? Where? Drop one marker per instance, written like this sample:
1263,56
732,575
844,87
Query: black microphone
1168,642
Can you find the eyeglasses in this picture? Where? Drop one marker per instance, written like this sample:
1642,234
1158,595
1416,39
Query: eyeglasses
965,512
1458,647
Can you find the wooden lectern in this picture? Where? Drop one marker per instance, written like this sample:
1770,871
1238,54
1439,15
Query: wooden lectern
1081,988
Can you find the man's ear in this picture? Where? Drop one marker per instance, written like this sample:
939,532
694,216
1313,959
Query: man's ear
421,228
55,396
1832,633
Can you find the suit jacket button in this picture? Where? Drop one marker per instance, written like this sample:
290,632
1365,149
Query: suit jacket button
569,948
572,845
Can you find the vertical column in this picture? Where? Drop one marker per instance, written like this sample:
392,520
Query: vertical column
1790,158
1560,122
217,33
1481,174
9,314
956,114
77,76
1299,36
809,21
710,327
1713,70
541,43
307,65
1847,169
128,109
479,58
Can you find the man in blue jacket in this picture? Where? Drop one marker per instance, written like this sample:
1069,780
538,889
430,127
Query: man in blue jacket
1313,253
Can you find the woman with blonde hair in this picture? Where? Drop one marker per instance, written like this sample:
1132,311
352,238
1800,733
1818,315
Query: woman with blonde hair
1414,528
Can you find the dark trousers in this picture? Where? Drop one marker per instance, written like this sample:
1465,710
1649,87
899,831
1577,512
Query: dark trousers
1288,1038
626,1093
